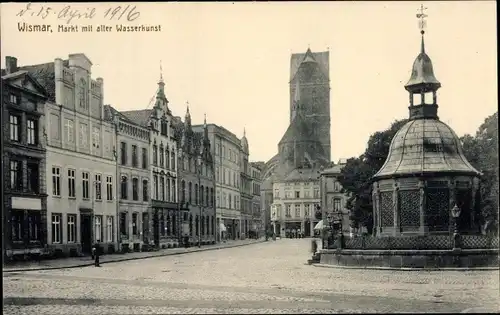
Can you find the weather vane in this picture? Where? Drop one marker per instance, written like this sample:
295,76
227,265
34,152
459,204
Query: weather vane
422,23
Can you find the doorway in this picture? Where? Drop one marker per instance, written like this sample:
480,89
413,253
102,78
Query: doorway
307,229
156,228
145,226
86,232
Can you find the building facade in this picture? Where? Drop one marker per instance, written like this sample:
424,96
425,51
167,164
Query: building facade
333,197
23,162
132,143
226,148
165,213
257,219
81,158
294,202
196,173
246,189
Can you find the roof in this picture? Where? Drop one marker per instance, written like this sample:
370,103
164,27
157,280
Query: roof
140,117
425,146
322,58
303,174
23,73
334,170
298,130
45,75
422,73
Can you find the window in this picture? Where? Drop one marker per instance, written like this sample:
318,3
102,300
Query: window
96,134
56,228
307,210
155,186
31,134
167,158
288,211
155,155
162,157
183,192
98,228
230,199
33,177
71,183
84,133
190,192
17,221
135,161
85,185
123,224
98,187
109,229
16,175
297,210
144,158
174,194
172,160
123,153
202,197
307,193
297,194
109,188
162,188
134,223
276,193
196,194
124,188
135,189
71,228
167,198
14,127
211,197
145,191
206,196
316,192
336,204
34,226
69,131
56,181
14,99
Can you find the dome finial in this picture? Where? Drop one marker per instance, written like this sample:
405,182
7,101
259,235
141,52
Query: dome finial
422,24
161,72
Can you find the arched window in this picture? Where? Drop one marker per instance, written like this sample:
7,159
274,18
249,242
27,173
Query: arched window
124,187
211,197
83,93
145,192
172,160
183,196
190,193
162,157
196,194
202,191
167,160
207,197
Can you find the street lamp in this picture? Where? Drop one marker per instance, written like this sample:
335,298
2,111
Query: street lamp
455,213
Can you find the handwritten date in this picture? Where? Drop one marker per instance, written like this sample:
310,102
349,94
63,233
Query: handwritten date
69,14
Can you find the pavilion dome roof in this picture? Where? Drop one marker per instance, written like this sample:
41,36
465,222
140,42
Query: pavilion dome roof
425,146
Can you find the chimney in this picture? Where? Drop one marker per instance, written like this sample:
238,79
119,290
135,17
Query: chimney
10,64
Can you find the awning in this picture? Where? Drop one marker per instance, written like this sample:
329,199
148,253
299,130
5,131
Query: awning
320,225
222,227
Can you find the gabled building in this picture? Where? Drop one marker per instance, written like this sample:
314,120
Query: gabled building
133,169
165,212
23,161
81,158
197,181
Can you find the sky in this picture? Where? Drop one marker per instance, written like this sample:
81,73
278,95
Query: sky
232,61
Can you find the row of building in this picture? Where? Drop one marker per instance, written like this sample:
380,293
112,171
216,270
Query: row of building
77,171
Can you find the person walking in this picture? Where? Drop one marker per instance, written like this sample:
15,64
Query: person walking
96,252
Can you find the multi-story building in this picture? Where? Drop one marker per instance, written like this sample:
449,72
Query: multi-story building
246,192
81,165
295,199
165,217
132,143
257,220
226,148
333,196
23,162
196,174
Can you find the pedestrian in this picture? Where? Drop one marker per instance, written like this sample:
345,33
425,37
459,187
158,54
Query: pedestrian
96,250
298,233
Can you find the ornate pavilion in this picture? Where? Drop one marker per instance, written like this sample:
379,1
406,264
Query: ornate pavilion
426,173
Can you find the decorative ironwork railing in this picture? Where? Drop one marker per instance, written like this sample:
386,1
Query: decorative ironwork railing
428,242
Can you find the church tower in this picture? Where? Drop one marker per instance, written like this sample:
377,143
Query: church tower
310,89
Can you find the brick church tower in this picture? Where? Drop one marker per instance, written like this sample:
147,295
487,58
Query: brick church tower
309,73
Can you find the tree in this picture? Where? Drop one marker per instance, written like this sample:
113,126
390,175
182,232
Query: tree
481,151
358,172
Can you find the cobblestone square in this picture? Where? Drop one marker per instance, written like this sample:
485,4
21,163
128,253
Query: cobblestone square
269,277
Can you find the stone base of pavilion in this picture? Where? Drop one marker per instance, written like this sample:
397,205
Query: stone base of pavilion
420,252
